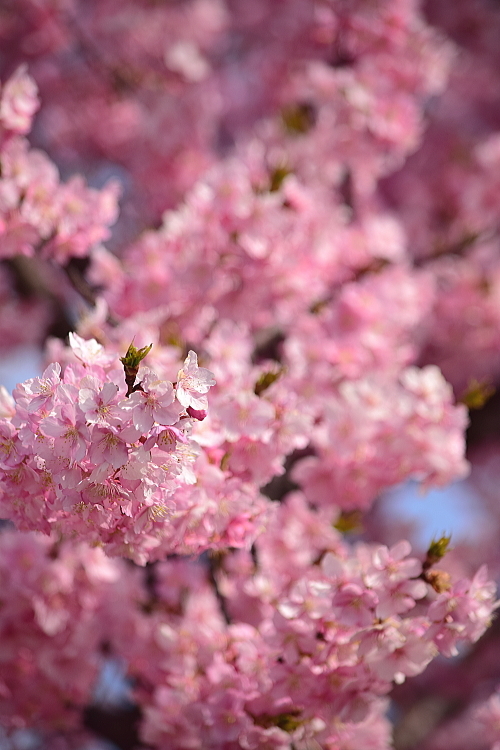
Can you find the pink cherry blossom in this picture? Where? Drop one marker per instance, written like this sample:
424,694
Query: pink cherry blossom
19,101
193,383
155,402
70,432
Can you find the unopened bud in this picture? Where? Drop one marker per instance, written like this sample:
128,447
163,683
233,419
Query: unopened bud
134,356
198,414
477,394
437,550
266,380
349,522
440,580
131,362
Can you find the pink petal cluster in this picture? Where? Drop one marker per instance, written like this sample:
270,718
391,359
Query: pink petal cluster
51,628
81,458
313,644
37,210
18,102
377,431
311,203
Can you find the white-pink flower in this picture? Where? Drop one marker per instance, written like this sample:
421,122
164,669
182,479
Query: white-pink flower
71,434
41,391
192,383
108,447
98,407
19,101
155,403
90,352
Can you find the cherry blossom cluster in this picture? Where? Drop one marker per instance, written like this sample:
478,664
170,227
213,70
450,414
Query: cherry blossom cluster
159,91
317,635
340,388
37,211
329,248
81,457
377,432
306,651
256,242
449,211
51,626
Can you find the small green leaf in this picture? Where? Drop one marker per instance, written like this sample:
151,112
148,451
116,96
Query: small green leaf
477,394
224,462
287,722
299,119
348,522
134,356
277,177
437,550
266,380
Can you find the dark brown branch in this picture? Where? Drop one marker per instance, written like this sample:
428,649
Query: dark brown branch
213,565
